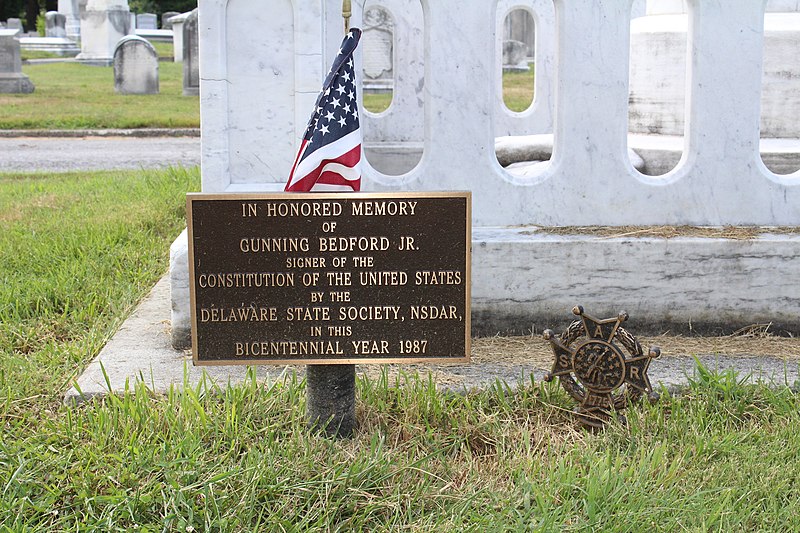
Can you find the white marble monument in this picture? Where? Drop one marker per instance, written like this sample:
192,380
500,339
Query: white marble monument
177,35
256,94
103,24
71,10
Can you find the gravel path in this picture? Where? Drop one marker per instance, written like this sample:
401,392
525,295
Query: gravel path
95,152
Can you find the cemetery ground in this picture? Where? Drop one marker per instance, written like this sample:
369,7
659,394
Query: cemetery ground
79,250
71,95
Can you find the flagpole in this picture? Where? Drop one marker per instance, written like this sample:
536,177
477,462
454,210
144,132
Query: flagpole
347,10
331,389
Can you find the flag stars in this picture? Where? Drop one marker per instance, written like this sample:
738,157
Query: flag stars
333,134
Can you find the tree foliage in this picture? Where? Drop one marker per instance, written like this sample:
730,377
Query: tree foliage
161,6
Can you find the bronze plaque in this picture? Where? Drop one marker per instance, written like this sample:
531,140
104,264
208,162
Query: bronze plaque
335,278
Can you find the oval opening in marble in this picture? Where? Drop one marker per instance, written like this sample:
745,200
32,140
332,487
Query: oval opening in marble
780,93
377,56
393,77
657,91
523,109
518,62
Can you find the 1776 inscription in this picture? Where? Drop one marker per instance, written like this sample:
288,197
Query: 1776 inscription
329,278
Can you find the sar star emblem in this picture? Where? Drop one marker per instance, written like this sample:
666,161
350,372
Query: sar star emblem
601,365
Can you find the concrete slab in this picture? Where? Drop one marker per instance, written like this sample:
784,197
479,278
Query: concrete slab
141,350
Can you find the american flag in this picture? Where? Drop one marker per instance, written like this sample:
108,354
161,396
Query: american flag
330,154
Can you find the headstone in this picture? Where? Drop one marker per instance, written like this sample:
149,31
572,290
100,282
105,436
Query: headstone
12,80
166,23
135,66
14,24
55,24
515,56
146,21
191,56
177,36
71,10
377,42
103,24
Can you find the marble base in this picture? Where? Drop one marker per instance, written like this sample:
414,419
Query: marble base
95,61
15,83
61,46
526,280
155,35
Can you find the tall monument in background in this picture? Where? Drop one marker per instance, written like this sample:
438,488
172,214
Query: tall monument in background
103,24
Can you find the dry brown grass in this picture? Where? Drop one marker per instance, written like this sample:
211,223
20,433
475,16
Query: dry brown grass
670,232
753,341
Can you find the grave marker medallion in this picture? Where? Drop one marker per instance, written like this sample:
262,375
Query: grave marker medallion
600,365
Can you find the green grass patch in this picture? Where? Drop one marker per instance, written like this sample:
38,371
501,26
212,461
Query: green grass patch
37,54
164,48
77,251
75,96
377,102
517,93
518,89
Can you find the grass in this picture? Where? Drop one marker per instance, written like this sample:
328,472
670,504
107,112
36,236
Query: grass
377,102
517,93
75,96
37,54
518,89
78,250
164,48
